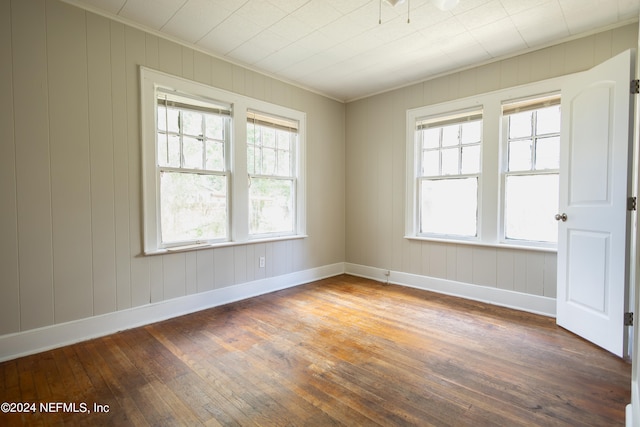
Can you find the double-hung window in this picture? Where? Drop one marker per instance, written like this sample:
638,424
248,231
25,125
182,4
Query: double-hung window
485,169
192,167
271,165
448,170
531,162
218,168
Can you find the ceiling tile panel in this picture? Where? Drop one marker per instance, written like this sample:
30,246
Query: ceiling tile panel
316,14
500,38
516,6
151,13
259,47
195,19
580,13
229,34
479,17
627,9
262,13
288,5
549,16
338,47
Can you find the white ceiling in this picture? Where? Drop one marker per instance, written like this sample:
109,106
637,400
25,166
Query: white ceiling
338,48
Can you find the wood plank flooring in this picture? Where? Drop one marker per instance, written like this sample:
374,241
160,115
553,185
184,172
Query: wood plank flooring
340,351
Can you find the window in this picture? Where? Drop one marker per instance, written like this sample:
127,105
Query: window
485,169
271,155
531,162
192,146
449,164
199,146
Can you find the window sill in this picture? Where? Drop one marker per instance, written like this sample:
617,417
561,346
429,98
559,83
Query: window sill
203,246
522,247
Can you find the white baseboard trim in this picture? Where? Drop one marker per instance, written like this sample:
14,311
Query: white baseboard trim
517,300
48,337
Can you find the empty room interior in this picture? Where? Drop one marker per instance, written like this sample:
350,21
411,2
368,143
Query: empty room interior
319,212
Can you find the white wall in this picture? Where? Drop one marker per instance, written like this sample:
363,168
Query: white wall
70,171
376,177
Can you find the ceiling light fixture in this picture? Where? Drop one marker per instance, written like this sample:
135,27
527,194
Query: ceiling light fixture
394,3
444,5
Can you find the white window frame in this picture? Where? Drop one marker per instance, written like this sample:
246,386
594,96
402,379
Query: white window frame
505,172
282,124
457,118
490,185
185,104
150,81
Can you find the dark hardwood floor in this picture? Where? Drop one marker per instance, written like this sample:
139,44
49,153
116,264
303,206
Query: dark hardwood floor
341,351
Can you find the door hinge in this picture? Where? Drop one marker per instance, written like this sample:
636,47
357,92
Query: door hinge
635,86
632,203
628,319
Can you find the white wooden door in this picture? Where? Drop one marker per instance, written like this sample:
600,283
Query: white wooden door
594,185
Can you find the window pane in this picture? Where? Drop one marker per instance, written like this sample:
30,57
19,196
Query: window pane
520,155
530,205
470,159
251,159
284,163
271,207
520,124
548,120
450,135
192,152
450,161
162,118
215,155
471,132
173,158
268,137
449,206
192,207
173,120
548,153
431,138
284,140
268,161
191,123
163,159
431,163
214,126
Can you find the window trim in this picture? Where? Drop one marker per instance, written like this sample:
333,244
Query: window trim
150,81
490,185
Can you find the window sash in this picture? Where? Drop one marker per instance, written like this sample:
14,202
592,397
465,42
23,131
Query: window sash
450,216
532,212
280,218
283,216
177,234
202,221
519,214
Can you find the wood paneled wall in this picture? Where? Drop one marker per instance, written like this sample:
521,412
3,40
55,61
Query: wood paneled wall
70,170
376,170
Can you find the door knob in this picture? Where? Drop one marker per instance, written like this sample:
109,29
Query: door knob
561,217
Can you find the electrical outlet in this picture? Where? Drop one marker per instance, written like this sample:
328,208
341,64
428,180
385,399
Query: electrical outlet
262,262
